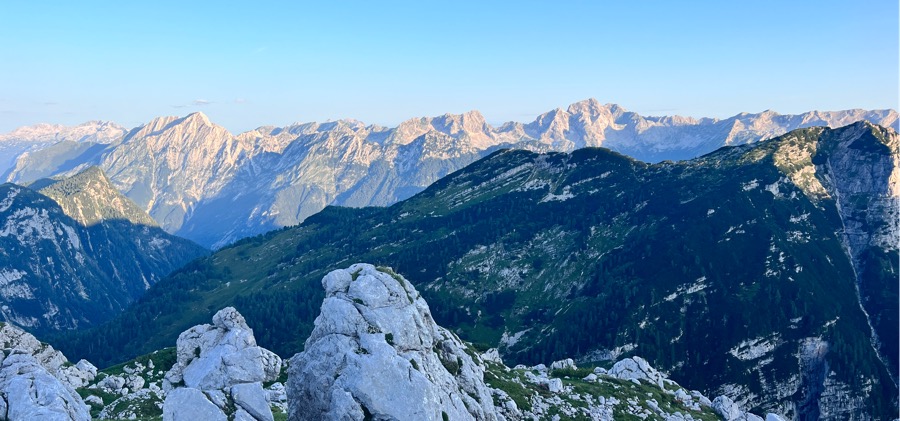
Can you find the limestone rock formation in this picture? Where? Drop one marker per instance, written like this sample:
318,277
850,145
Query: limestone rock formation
37,381
221,369
189,404
375,351
637,368
30,392
74,376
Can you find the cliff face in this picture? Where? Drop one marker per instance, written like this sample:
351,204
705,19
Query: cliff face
860,170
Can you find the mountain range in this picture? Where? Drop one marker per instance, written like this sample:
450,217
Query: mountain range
765,272
203,183
76,252
41,136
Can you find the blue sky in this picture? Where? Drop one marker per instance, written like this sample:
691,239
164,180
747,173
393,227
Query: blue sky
247,64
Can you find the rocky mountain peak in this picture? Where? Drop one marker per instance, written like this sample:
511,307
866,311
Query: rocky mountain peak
153,126
197,118
90,198
35,130
191,126
181,169
592,106
550,125
469,122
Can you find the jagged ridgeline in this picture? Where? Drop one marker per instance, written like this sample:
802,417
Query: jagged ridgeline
215,187
74,252
736,272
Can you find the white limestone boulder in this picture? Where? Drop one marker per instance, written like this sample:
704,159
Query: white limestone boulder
30,392
637,369
375,351
223,354
75,376
189,404
731,411
220,365
566,364
252,398
492,355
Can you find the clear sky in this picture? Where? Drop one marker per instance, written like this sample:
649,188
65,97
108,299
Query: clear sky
247,64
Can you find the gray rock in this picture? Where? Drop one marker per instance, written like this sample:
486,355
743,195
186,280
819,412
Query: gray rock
636,369
32,393
217,397
189,404
221,355
112,384
551,384
731,411
223,362
87,367
241,415
276,393
492,355
95,400
567,363
134,382
252,398
376,349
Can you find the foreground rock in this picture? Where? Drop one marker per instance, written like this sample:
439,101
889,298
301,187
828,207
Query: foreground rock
219,372
53,361
375,351
30,392
37,382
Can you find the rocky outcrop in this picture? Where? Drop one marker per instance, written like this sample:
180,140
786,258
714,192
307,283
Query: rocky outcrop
189,404
375,351
219,372
37,381
53,361
30,392
636,369
731,411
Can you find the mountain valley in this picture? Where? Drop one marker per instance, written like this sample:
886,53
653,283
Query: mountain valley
75,252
